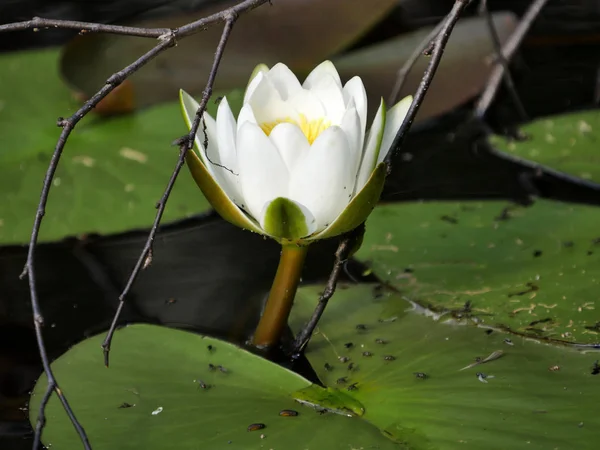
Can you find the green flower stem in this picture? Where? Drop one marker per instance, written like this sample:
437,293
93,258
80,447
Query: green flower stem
281,297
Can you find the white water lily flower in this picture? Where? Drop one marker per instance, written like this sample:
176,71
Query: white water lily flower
297,165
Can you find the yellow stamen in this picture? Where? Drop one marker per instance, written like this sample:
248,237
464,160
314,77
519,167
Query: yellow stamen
310,128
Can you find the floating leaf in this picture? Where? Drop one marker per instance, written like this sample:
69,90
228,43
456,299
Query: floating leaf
299,33
111,174
534,270
406,371
566,143
167,388
461,75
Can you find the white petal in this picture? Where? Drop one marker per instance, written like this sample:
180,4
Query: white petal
263,174
351,126
284,80
257,75
323,180
393,120
291,143
326,68
246,115
355,89
267,104
330,94
226,159
372,146
307,103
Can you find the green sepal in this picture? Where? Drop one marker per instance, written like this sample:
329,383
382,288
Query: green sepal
206,182
285,221
359,208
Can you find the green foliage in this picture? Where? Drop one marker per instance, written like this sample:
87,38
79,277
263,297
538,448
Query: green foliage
567,143
112,171
534,270
411,376
160,392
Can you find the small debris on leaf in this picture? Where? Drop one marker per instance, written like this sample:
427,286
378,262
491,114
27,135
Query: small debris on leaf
256,426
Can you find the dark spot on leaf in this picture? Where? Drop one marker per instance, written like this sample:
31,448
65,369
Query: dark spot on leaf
507,341
589,252
389,358
504,215
381,341
211,367
328,367
532,287
344,359
421,375
595,327
449,219
596,368
352,387
288,413
361,327
536,322
537,253
489,331
256,426
367,354
409,270
351,367
210,348
348,345
341,380
222,369
568,244
125,405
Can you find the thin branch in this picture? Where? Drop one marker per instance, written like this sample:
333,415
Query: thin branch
509,49
341,257
166,40
439,44
185,145
500,59
38,23
410,62
346,245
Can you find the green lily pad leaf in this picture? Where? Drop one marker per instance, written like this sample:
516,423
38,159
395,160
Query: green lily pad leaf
111,174
161,392
566,143
419,382
532,270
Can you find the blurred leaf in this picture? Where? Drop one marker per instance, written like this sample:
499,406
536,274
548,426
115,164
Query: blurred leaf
151,398
299,33
461,75
534,270
566,143
111,173
412,386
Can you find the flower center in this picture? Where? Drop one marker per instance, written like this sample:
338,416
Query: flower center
310,128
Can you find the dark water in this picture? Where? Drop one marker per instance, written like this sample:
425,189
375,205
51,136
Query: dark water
212,277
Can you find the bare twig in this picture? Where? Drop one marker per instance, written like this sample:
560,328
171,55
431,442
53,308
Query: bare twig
185,145
38,23
341,257
167,38
509,49
500,59
410,62
345,246
438,50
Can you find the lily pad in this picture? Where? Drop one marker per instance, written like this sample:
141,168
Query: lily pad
412,376
111,174
532,270
160,392
567,143
299,33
